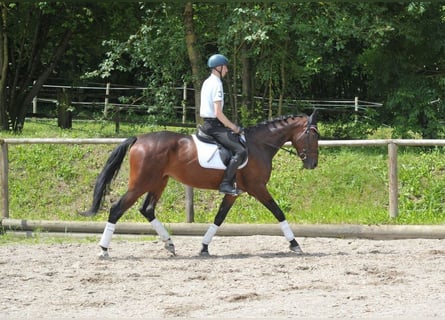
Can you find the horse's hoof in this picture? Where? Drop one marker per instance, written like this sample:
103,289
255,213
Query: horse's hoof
204,253
296,249
170,247
104,255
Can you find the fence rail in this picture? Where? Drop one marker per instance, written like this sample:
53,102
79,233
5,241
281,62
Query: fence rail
107,96
392,145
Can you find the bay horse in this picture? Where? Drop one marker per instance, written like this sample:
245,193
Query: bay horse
154,157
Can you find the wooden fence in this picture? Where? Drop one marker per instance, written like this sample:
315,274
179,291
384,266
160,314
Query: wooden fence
392,145
108,97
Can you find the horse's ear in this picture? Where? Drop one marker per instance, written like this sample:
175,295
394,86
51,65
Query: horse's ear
313,118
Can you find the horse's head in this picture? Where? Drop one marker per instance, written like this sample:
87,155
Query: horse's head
305,141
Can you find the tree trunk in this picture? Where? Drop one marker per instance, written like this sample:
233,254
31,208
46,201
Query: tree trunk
283,78
194,56
270,112
26,98
232,85
4,61
247,79
64,114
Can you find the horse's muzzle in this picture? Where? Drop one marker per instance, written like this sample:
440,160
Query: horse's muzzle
310,163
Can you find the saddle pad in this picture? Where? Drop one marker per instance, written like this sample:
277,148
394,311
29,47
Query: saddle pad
208,155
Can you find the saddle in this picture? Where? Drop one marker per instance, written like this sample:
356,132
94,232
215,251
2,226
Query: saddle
212,154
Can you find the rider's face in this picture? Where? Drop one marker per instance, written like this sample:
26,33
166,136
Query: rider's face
223,70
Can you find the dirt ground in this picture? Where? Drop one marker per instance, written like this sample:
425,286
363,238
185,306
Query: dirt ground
246,277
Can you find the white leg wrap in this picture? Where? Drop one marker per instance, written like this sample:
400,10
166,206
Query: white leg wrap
288,234
106,236
209,234
160,229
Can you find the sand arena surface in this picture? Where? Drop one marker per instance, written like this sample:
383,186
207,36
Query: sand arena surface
246,277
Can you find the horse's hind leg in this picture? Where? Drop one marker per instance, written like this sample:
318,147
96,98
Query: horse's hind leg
117,210
148,211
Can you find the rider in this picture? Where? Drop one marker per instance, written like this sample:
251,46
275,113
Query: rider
217,125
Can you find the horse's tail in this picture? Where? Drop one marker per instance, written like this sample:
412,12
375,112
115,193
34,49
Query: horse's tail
109,172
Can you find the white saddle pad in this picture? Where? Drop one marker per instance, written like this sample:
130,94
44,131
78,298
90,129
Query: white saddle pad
208,155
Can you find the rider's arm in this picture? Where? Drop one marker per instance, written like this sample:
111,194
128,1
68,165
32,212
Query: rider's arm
222,117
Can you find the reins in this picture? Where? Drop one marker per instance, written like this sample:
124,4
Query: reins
291,151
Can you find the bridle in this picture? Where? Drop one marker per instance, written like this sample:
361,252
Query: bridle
302,155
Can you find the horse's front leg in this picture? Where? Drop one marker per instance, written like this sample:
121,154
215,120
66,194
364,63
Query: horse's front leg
266,199
224,208
284,225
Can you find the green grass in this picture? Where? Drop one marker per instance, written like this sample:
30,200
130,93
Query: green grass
55,182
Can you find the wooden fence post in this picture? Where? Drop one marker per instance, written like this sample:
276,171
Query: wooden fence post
189,210
184,102
117,119
393,180
34,103
356,109
4,178
107,95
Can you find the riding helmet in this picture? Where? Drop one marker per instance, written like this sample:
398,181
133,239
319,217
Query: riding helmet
217,60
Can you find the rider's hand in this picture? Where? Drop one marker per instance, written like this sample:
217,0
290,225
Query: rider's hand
240,130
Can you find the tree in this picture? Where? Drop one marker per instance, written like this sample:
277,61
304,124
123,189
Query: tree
35,39
4,62
31,56
155,54
406,70
193,54
387,52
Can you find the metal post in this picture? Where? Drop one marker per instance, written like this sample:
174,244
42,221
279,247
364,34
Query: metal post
393,180
4,178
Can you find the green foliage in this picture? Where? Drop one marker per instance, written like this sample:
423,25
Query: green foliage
422,186
55,182
350,128
406,70
45,38
155,55
391,52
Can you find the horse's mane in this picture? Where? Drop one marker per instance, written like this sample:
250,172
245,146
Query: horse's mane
273,122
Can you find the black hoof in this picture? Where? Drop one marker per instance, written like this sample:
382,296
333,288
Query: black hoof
204,251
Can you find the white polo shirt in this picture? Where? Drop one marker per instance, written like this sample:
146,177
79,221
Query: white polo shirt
211,91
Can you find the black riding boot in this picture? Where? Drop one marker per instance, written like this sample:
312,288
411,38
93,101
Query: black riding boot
227,184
